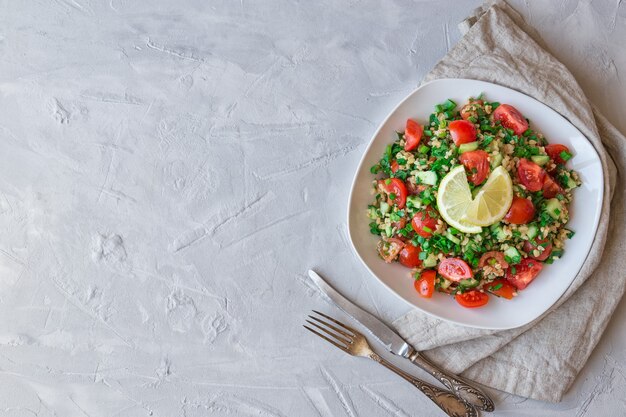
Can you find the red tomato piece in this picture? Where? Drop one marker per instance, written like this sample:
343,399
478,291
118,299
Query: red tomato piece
454,269
394,166
550,187
524,273
501,288
424,222
522,211
530,175
396,187
469,110
412,134
389,248
497,256
410,256
425,285
477,164
530,247
472,299
554,152
462,131
510,118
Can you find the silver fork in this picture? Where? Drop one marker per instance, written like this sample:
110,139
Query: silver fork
354,343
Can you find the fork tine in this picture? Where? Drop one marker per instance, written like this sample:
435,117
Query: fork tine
338,330
345,349
350,329
331,334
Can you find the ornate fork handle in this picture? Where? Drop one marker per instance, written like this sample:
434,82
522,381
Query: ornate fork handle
469,393
446,400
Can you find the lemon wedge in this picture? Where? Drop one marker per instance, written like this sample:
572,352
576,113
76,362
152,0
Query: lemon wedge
454,199
492,201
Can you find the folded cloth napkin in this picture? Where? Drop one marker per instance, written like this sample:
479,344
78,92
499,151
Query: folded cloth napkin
539,360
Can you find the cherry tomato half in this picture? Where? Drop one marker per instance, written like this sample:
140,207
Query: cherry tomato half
477,164
510,118
522,211
412,134
425,285
410,256
530,175
554,152
462,131
472,299
501,288
530,247
524,273
388,249
454,269
396,187
550,187
424,222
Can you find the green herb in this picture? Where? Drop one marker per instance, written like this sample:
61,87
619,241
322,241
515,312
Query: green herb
496,287
449,105
566,156
392,196
403,174
448,114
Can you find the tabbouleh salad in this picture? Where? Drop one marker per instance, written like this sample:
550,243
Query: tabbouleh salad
500,258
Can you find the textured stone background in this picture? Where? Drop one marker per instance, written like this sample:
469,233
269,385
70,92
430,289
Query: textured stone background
168,172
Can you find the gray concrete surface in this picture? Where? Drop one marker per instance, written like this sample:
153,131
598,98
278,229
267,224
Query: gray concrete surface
168,172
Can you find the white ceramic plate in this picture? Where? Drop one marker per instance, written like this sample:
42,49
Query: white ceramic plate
554,279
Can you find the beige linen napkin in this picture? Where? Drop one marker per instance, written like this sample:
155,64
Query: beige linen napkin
539,360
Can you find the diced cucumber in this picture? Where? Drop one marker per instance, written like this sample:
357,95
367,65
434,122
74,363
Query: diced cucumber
452,238
427,177
467,147
499,234
444,284
388,231
469,283
540,160
532,232
430,261
414,201
496,160
512,256
570,183
554,208
384,207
